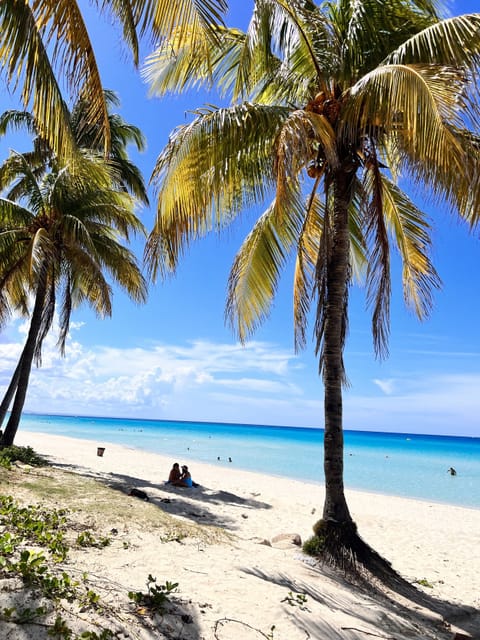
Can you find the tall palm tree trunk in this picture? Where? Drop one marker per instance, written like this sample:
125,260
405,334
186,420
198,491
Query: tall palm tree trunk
9,393
25,363
335,509
342,546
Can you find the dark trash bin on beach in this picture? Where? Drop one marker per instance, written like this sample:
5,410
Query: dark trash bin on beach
100,451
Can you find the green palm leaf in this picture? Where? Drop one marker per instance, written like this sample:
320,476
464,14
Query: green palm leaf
258,265
412,233
222,151
24,59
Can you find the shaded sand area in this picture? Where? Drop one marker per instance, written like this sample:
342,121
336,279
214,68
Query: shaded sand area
237,575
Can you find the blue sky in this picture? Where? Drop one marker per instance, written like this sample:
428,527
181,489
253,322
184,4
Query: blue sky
174,358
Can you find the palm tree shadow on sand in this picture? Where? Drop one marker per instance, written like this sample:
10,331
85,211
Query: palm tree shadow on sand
398,607
409,609
176,500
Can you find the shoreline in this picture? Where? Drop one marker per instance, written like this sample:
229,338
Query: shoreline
431,545
222,467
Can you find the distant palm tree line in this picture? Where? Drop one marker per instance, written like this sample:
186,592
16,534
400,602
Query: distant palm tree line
330,105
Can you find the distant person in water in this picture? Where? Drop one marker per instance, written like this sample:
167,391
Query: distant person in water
175,474
452,471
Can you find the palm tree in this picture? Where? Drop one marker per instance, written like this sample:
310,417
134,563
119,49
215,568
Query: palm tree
125,175
331,105
45,44
88,136
61,235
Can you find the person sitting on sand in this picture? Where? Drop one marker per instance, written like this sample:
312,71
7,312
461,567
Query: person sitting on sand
175,474
185,479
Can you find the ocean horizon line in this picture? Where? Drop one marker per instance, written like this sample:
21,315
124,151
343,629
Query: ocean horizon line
406,464
249,425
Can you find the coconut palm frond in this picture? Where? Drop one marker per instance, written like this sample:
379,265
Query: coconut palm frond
13,215
297,27
454,42
48,314
36,162
210,170
286,53
378,272
463,188
119,263
62,23
85,282
202,15
17,170
129,177
256,270
123,134
75,233
175,65
65,315
24,59
470,200
367,31
185,20
128,14
305,268
15,120
109,212
356,226
407,104
41,250
14,271
411,231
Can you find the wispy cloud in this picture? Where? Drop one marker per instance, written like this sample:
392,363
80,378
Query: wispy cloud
163,381
260,383
387,386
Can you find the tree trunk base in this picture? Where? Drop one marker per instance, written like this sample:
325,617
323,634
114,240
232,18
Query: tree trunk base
339,545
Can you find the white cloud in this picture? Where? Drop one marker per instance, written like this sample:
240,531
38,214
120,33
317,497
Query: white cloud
437,403
387,386
260,383
162,381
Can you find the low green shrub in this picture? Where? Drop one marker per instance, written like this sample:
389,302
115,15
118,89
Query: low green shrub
314,546
157,596
36,524
86,539
20,454
296,600
424,583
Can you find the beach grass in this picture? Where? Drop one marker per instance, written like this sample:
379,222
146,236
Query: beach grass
104,507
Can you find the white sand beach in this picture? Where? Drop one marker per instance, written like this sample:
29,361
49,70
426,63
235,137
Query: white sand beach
239,586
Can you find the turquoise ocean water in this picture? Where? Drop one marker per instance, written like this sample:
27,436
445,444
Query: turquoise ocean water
409,465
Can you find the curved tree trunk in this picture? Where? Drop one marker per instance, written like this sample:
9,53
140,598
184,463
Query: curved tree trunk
26,364
335,511
9,393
